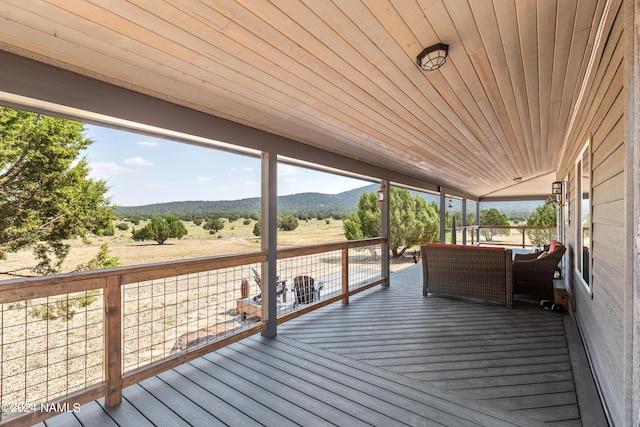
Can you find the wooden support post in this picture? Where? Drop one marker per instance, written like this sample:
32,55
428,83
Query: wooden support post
385,231
113,341
345,275
269,234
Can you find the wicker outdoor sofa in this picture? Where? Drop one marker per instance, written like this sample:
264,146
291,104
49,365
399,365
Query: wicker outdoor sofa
468,271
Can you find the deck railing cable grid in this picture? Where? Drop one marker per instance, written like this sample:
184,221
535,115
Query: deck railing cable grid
364,265
174,314
523,236
50,347
324,268
77,337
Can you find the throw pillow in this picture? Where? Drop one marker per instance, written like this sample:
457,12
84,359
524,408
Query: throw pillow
554,245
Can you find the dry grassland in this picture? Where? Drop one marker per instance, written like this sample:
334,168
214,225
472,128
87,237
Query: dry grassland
234,238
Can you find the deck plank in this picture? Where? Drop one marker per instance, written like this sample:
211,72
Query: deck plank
257,403
180,404
152,408
453,344
390,357
92,414
63,420
351,387
398,384
123,414
325,397
203,398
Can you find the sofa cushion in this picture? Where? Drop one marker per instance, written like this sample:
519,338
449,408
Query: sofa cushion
444,245
484,248
543,254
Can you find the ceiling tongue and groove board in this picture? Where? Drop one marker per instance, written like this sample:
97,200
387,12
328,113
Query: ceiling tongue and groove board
353,64
445,98
341,75
463,62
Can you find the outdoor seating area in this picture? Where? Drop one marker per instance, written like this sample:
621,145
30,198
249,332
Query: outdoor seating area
305,290
489,273
450,362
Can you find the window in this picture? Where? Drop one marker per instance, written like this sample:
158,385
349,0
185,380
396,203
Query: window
583,215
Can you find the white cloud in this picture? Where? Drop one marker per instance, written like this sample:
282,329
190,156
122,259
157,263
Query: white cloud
247,169
107,169
138,161
203,179
153,186
148,143
252,184
285,170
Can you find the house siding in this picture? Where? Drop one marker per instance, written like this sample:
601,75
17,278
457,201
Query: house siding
601,314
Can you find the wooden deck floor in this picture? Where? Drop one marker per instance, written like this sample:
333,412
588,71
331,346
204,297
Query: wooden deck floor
391,357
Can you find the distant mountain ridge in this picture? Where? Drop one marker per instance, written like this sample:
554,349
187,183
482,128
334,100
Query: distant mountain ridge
346,201
309,203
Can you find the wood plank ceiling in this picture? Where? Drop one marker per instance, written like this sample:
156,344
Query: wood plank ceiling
341,74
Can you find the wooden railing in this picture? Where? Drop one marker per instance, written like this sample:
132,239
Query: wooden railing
72,338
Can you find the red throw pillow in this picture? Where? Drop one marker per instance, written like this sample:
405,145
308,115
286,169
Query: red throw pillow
554,245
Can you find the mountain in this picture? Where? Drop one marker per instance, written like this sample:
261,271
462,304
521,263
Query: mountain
309,203
344,202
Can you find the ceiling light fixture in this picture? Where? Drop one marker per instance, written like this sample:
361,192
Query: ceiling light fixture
433,57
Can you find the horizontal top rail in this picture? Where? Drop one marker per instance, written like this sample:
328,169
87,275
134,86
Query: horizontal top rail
518,227
39,287
327,247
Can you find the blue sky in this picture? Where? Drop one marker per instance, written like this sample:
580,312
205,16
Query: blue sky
142,170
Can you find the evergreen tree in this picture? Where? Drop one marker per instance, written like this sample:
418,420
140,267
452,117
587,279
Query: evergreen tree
412,221
543,216
46,195
160,230
288,223
493,217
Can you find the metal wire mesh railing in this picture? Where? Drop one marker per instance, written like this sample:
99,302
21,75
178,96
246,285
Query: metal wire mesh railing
364,265
77,337
49,347
174,314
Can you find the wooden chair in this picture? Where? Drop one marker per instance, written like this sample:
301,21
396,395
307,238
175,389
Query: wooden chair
304,290
281,287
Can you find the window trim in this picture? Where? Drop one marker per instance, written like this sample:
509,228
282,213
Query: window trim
578,258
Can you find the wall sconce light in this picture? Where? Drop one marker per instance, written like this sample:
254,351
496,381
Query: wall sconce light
556,187
381,194
433,57
450,203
